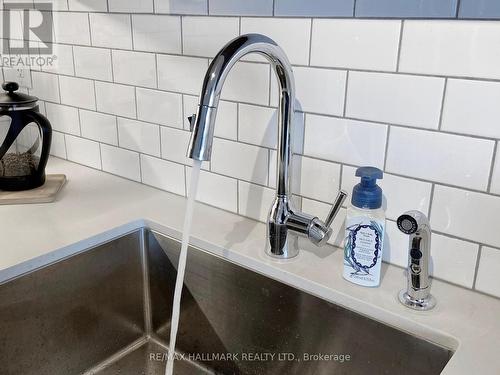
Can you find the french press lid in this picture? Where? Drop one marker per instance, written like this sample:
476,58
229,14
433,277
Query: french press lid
12,99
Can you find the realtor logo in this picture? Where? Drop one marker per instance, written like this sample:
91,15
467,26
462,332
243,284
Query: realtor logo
28,30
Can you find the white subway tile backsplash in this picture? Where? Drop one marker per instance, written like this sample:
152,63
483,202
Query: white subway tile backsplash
471,107
440,157
174,144
240,160
488,278
395,189
356,44
455,48
77,92
134,68
495,178
83,151
316,179
88,5
395,245
181,6
58,146
159,107
99,127
157,33
241,7
121,162
216,190
111,30
205,36
254,200
71,28
130,6
139,136
45,86
63,63
163,174
226,125
181,74
345,141
465,214
115,99
399,99
316,90
292,34
63,118
247,82
93,63
258,125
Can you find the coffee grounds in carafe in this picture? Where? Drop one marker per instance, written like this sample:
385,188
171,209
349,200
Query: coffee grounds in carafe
17,165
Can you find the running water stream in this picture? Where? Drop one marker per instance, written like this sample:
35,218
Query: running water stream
181,268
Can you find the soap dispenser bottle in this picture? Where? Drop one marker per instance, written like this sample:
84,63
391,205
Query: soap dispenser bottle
365,228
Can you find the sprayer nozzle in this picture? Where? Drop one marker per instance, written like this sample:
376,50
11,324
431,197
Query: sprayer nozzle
407,224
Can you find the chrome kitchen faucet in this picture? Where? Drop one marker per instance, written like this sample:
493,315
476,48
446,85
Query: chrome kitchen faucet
284,222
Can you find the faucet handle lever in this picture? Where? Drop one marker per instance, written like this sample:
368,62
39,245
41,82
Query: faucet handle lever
192,120
339,200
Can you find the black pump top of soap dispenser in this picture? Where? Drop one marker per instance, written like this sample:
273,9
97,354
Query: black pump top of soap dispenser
367,194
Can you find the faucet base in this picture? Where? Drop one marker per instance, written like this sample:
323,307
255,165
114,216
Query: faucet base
288,251
423,304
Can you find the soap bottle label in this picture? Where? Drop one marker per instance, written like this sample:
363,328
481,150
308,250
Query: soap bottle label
363,250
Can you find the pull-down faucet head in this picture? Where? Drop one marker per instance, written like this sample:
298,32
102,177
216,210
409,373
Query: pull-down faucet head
284,222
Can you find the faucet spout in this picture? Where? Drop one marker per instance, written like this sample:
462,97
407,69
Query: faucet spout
284,222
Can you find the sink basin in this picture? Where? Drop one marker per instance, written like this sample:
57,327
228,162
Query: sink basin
107,311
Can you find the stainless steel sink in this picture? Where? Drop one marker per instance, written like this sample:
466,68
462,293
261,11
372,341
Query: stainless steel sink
107,311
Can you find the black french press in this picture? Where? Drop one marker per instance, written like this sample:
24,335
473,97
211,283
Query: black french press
25,137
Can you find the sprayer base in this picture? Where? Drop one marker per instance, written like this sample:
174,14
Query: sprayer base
416,304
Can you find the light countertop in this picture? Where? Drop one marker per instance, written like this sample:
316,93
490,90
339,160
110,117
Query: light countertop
94,207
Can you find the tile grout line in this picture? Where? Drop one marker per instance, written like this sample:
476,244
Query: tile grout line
476,269
492,167
440,119
386,147
431,201
400,44
310,42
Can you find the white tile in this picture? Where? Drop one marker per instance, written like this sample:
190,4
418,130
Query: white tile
355,43
63,64
205,36
345,141
495,179
291,34
488,278
258,125
45,86
181,74
163,174
440,157
174,145
93,63
247,82
131,6
56,4
321,210
453,260
115,99
395,249
240,161
78,92
395,98
181,6
471,107
99,127
134,68
83,151
465,214
395,189
317,90
139,136
241,7
455,48
157,33
316,179
226,125
255,201
121,162
216,190
63,118
71,28
111,30
159,107
58,146
88,5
